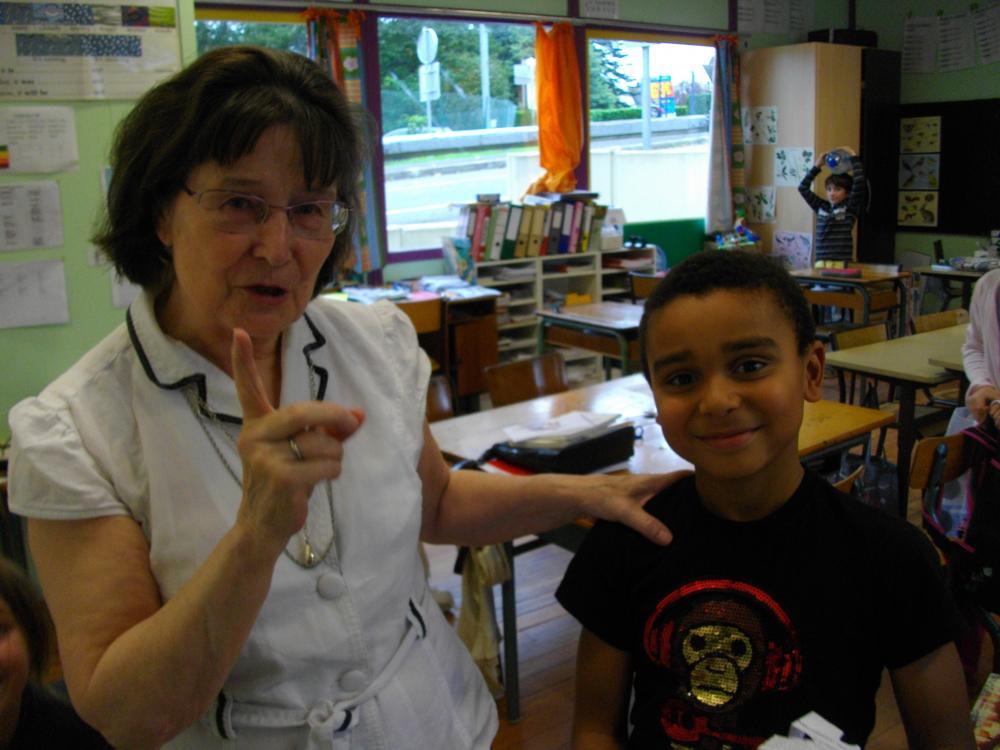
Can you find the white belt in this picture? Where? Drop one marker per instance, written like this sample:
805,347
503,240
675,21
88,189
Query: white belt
329,722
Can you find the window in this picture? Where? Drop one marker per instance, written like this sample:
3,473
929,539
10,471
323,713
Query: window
458,119
218,27
653,163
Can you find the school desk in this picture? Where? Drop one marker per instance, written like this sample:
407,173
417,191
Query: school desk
607,328
863,294
905,361
967,279
827,426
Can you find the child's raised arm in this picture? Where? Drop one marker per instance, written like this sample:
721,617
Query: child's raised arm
603,682
933,703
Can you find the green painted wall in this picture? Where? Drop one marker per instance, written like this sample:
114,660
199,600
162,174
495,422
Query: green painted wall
36,355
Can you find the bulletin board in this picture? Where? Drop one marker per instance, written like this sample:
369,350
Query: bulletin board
949,167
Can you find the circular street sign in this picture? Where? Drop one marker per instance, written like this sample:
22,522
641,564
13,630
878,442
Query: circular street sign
427,45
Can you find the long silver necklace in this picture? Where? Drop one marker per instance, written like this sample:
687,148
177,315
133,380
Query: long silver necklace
308,558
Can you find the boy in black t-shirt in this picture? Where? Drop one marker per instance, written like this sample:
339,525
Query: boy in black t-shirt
779,595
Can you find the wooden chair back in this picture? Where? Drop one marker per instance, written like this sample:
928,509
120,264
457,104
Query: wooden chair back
922,464
439,403
641,285
943,319
849,338
847,483
510,382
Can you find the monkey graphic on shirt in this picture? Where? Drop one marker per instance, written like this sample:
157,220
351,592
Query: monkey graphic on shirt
724,642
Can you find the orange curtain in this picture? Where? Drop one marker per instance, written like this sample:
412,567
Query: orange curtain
560,115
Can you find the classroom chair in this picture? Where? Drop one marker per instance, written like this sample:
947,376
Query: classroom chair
641,285
945,394
439,403
937,461
510,382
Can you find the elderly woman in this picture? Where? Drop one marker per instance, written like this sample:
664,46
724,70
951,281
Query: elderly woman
225,495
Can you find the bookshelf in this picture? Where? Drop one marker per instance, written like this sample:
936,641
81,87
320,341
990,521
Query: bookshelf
529,284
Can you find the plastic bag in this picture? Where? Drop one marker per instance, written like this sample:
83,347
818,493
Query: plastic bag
953,513
878,485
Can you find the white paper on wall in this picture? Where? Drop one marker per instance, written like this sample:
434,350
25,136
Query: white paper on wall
37,139
920,37
956,47
794,249
791,165
760,204
986,22
33,294
30,215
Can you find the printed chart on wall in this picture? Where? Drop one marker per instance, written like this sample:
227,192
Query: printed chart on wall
919,171
82,51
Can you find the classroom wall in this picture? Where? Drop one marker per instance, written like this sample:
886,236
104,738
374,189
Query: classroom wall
36,355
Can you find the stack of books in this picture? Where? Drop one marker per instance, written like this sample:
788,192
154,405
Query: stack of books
547,224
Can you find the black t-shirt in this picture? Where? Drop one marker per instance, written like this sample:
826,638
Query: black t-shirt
46,721
737,629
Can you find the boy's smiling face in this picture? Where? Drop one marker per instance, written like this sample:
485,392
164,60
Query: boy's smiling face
729,384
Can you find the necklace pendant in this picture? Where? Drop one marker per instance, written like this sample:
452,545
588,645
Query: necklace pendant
308,555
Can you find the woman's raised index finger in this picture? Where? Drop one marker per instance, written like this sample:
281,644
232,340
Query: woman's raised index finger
249,386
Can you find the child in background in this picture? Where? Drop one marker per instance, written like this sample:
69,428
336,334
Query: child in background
779,595
31,716
835,216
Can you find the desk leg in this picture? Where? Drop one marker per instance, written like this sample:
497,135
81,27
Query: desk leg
907,400
510,667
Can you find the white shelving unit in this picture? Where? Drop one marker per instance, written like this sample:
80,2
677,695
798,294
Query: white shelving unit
527,284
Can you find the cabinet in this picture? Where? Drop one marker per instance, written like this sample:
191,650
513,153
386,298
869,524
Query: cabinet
528,284
816,90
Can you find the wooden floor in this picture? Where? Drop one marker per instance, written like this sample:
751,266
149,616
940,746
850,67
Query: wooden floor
547,637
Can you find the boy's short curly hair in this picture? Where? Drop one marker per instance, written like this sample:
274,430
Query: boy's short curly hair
215,110
732,270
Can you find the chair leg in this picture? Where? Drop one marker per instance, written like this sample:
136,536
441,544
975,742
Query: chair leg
511,673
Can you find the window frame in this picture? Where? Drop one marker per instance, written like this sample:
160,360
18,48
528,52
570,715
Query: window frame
584,30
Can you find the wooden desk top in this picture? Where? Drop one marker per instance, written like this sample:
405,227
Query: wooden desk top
907,358
867,278
825,423
617,316
949,273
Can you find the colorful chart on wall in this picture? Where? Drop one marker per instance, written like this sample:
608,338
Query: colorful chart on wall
82,51
918,135
794,249
918,208
919,171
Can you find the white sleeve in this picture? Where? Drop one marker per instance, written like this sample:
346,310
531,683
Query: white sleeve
410,362
974,358
52,475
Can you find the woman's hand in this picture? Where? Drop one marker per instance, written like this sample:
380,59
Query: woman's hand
285,452
978,402
620,497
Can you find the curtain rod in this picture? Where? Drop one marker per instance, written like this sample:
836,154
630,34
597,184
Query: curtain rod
463,14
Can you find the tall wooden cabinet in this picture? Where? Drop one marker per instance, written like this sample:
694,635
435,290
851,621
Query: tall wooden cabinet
816,89
829,95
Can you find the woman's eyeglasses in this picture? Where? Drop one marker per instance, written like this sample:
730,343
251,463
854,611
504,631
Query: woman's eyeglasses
243,213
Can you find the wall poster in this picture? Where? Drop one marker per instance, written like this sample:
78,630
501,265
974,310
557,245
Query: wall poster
83,51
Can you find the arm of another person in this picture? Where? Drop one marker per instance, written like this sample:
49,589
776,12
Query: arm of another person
603,686
805,187
140,670
932,700
475,508
982,390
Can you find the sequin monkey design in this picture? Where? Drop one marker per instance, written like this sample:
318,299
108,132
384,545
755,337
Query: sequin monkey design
724,643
